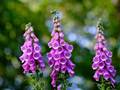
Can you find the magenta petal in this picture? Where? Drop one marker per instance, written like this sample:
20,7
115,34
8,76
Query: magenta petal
36,55
29,51
55,45
70,48
22,58
63,68
113,81
26,57
50,44
101,45
36,48
49,55
53,73
96,59
56,57
63,61
106,75
96,47
62,42
103,57
23,48
67,54
94,66
101,65
56,35
61,34
57,66
42,66
70,71
96,76
108,61
51,62
98,52
60,50
109,54
53,83
59,87
100,71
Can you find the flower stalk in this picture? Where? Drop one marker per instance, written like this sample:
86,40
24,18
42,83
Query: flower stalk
102,62
31,59
59,56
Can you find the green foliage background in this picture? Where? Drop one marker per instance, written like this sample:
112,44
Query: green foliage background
79,18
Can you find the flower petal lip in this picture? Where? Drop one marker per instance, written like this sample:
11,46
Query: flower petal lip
63,61
67,54
94,66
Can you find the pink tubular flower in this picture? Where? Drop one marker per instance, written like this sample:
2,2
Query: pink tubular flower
102,62
31,57
60,54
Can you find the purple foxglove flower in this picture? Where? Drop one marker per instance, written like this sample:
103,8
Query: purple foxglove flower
60,54
31,57
102,62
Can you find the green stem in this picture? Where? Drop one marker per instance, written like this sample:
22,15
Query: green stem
38,82
62,78
64,84
102,84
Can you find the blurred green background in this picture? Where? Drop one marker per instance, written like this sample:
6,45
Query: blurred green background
79,18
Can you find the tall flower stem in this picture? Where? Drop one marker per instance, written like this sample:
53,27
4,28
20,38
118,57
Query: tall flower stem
32,60
38,82
64,82
102,84
59,57
102,61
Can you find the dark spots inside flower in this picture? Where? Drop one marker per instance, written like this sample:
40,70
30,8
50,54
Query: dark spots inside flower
29,51
94,66
63,69
37,48
26,57
103,56
36,55
108,61
60,49
23,48
101,65
109,54
95,59
31,62
67,54
49,55
57,67
70,47
56,56
50,62
62,42
55,45
63,60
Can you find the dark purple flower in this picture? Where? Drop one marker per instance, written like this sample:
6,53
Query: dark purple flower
31,57
102,62
60,54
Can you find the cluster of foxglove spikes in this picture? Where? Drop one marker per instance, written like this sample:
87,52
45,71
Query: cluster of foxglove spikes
102,62
60,54
31,57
